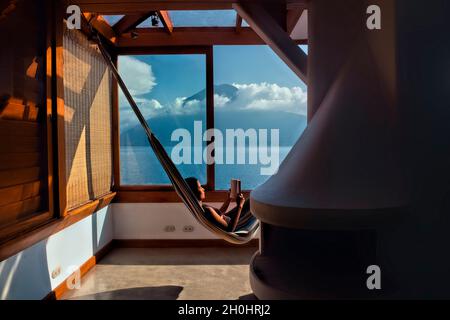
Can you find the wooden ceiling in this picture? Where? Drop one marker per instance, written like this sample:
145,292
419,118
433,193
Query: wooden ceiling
124,33
116,7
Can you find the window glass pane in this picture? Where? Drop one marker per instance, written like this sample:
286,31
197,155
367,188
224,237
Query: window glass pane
203,18
256,92
170,92
304,47
112,19
148,23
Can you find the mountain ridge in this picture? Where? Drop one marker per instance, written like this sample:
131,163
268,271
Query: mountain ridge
163,126
290,125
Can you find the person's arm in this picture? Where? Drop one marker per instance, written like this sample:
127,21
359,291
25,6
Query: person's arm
240,200
226,204
219,219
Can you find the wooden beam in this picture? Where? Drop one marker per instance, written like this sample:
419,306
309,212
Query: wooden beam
191,36
130,22
112,7
296,4
102,26
166,21
292,18
140,6
273,35
57,161
238,23
115,125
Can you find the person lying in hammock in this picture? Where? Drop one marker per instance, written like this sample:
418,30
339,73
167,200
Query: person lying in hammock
229,221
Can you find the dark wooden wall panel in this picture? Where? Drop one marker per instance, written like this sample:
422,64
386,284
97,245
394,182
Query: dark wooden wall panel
23,135
19,160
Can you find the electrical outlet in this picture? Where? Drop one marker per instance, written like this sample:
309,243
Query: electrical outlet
170,228
56,272
188,228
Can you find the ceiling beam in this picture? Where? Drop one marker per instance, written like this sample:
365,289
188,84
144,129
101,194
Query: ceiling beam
273,35
102,26
130,22
238,23
191,36
292,18
166,21
140,6
297,4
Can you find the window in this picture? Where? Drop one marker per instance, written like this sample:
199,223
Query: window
256,92
113,19
147,23
203,18
259,112
170,92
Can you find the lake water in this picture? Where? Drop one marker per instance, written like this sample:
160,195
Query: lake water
139,166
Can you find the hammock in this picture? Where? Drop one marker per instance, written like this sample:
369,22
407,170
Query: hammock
245,231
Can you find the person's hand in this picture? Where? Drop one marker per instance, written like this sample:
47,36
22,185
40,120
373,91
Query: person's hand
229,195
240,200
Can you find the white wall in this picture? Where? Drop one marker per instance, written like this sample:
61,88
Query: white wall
148,221
27,275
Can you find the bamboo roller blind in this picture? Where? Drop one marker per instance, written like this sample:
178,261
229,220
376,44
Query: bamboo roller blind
88,124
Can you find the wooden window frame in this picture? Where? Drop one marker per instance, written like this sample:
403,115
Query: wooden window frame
161,193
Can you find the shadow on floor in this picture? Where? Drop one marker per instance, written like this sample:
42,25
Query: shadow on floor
249,296
144,293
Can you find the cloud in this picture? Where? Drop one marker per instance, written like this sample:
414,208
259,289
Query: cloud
151,108
140,80
267,96
220,101
137,75
148,107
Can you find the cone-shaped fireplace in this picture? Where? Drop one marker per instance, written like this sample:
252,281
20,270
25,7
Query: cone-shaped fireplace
346,164
343,180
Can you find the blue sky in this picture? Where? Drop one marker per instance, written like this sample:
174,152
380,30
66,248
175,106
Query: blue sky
176,75
251,64
203,18
185,75
160,83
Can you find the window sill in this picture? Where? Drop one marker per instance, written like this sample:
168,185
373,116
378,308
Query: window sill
163,196
32,237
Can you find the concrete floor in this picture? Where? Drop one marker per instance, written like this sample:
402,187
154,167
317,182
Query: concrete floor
171,273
